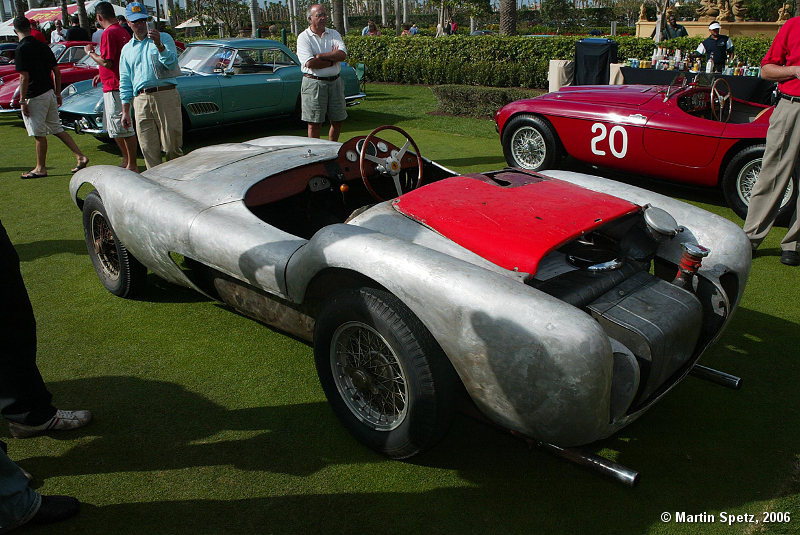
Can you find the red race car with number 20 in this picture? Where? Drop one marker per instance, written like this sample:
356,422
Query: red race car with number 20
694,133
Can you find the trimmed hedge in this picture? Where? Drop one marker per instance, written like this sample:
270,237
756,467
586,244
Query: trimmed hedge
480,102
494,60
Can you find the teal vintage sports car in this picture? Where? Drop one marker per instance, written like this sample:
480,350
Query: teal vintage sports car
224,81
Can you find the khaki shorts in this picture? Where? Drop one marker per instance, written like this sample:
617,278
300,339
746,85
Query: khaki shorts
321,99
43,120
112,116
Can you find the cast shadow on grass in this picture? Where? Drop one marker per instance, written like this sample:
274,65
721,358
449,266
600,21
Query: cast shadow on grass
157,290
45,248
701,448
175,428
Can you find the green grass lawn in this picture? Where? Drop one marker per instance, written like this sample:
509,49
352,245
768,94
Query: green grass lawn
208,422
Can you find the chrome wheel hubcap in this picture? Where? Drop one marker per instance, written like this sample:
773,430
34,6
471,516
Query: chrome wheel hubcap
528,147
369,376
104,245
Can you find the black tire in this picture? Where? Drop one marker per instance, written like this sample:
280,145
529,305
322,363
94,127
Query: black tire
399,402
118,270
740,175
529,142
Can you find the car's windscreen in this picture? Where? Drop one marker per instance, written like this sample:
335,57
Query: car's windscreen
73,54
57,49
205,59
257,60
86,61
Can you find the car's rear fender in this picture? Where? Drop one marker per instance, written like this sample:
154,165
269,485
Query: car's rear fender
530,362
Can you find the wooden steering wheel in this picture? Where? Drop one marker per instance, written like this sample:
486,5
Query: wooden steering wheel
391,165
721,100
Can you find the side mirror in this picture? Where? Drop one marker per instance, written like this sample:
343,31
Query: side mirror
228,72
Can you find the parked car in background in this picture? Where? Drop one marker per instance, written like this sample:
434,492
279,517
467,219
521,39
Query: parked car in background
697,133
7,53
66,53
562,321
83,69
224,81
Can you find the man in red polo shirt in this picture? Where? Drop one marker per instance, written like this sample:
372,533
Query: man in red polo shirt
111,42
35,33
782,65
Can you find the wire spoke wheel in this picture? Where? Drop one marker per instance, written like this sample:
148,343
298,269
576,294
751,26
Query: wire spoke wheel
747,177
528,147
369,376
105,246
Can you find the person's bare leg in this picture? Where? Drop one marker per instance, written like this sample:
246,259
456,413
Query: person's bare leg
131,148
71,145
336,128
41,155
313,130
123,149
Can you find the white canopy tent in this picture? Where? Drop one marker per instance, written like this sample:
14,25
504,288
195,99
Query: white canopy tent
48,14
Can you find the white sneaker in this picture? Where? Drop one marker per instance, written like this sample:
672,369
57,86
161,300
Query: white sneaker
61,421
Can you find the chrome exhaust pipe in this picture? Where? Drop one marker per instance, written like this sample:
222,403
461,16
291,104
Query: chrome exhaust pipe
601,465
716,376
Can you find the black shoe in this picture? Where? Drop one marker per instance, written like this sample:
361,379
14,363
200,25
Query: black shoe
56,509
790,258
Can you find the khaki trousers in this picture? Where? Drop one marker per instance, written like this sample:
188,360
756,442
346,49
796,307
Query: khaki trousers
159,125
780,157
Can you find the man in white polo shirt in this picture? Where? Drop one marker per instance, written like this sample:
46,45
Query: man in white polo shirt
321,51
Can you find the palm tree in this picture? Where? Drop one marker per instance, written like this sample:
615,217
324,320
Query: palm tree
254,15
82,17
384,13
169,12
338,15
64,13
508,17
21,7
2,10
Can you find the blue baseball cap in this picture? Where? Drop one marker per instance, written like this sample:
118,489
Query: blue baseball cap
135,11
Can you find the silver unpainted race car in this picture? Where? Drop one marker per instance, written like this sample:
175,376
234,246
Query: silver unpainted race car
564,304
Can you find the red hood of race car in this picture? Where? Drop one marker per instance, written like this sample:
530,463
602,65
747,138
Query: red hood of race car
513,227
622,95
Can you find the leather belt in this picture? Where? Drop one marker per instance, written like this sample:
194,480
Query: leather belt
155,89
323,78
790,98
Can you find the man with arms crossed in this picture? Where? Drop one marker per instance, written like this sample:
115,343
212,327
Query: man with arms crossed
113,39
156,102
40,97
782,65
321,51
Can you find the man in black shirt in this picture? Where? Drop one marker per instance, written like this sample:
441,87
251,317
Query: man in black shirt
76,32
40,97
716,47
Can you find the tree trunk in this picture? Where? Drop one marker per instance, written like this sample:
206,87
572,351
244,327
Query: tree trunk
397,17
293,17
169,12
254,16
21,7
405,11
346,15
64,13
338,15
83,19
508,17
384,13
472,24
33,4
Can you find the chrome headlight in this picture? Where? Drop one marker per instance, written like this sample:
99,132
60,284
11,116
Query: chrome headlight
84,122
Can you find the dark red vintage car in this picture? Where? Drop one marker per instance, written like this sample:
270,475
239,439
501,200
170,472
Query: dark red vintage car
67,53
697,133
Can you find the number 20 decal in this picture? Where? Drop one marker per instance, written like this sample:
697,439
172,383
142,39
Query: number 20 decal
617,144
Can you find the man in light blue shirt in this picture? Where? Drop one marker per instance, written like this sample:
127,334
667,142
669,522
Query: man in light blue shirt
146,80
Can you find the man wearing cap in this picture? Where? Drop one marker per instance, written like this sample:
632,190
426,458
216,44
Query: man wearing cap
321,51
112,42
782,65
716,47
674,29
146,82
